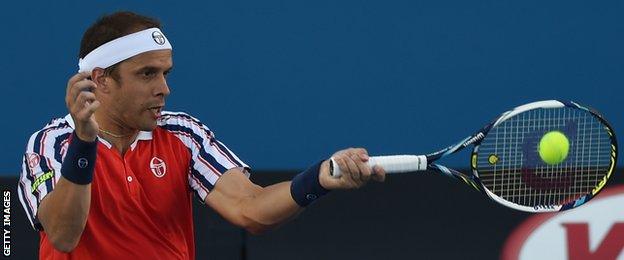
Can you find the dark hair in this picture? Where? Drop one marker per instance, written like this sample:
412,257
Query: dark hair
110,27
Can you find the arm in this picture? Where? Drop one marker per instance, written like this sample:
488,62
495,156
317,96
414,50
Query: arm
258,209
63,212
250,206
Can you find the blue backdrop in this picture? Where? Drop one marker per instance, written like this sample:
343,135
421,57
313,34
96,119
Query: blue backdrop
285,83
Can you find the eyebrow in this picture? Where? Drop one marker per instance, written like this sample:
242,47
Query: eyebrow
152,68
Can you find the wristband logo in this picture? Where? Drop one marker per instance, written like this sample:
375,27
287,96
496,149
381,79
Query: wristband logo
83,163
158,167
158,38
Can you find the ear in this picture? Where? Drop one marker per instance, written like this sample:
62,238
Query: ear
102,81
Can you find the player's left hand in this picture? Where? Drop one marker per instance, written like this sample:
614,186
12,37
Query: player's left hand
355,170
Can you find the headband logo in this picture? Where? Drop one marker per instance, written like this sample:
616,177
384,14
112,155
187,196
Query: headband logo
158,38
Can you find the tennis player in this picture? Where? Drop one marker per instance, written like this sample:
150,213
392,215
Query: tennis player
114,178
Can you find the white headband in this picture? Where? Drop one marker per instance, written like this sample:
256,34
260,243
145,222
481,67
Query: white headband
122,48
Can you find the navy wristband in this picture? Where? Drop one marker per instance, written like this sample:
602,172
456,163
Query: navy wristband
305,187
79,162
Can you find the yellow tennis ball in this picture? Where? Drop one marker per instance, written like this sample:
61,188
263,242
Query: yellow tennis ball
554,147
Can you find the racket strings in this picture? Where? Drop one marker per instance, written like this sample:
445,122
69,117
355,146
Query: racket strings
520,176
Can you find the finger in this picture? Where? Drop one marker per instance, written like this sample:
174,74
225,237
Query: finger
363,168
346,151
93,107
360,151
81,86
353,172
341,164
344,168
88,111
379,174
76,78
83,100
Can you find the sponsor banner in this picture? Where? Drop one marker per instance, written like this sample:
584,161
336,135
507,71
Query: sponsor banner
592,231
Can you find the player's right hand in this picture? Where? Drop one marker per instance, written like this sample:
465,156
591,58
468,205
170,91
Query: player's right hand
81,103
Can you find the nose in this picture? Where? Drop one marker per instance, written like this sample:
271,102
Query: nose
163,88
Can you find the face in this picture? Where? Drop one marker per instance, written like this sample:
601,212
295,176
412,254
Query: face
137,98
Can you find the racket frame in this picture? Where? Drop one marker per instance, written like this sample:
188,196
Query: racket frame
473,180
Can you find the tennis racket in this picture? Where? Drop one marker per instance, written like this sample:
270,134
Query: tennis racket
506,165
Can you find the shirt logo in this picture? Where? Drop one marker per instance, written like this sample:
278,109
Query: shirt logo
33,160
158,38
41,180
158,167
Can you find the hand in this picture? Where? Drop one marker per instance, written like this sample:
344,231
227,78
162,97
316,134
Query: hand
81,103
355,170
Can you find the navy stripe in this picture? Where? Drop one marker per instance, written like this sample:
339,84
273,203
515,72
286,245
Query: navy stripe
29,212
197,194
186,116
202,179
48,183
198,176
202,152
227,153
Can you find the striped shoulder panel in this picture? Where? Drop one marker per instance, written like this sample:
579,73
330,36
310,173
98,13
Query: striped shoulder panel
210,158
41,164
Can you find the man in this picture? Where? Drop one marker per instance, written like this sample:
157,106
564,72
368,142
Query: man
115,177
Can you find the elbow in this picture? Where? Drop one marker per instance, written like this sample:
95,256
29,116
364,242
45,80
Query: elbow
65,245
65,240
257,229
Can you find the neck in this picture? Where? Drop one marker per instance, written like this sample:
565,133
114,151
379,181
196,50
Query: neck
113,131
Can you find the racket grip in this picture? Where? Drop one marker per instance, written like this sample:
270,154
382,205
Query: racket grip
391,164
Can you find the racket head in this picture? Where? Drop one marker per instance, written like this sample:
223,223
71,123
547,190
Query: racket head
507,165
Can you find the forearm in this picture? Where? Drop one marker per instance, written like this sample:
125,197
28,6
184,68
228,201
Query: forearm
270,207
63,213
258,209
250,206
